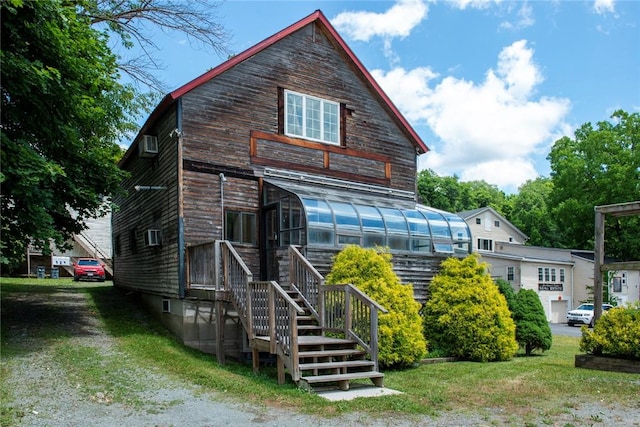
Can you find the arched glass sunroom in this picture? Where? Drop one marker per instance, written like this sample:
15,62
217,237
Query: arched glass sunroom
321,217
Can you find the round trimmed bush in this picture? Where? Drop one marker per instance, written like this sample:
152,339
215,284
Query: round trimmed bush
466,316
615,334
400,337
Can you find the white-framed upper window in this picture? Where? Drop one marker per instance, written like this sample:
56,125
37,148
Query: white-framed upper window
311,118
485,245
511,273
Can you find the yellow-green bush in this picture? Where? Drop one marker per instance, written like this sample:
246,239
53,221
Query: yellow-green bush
466,316
400,337
615,334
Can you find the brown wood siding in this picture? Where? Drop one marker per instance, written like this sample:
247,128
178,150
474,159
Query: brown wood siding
220,115
137,266
411,269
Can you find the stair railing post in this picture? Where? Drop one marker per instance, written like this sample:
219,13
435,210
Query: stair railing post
373,339
347,310
272,318
293,343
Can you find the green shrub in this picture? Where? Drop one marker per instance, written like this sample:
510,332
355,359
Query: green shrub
400,338
532,329
506,289
466,316
615,334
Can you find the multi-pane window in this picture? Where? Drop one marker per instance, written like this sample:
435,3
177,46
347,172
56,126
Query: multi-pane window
553,274
511,273
485,245
313,118
562,275
241,227
540,274
478,221
496,223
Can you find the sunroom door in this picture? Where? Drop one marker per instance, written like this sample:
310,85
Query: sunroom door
269,243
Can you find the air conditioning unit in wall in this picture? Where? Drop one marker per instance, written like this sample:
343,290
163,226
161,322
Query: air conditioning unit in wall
148,146
152,237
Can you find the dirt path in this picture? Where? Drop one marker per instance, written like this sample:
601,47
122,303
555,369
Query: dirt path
46,391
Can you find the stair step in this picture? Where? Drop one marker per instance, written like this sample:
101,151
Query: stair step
331,353
335,365
309,327
302,341
342,377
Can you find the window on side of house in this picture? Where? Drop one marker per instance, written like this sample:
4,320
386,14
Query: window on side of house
311,118
478,221
617,284
562,275
540,274
511,273
485,245
496,223
553,274
546,274
241,227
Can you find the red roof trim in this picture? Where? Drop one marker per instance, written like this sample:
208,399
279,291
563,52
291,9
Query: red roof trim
315,16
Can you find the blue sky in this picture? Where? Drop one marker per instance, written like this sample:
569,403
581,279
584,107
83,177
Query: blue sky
488,85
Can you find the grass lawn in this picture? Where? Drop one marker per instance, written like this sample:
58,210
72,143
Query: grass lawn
525,387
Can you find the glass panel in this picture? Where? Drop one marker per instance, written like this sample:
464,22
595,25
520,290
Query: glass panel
330,122
295,214
462,247
370,218
443,247
421,245
318,212
346,216
398,242
248,228
343,239
394,220
439,227
418,224
313,118
372,240
459,228
294,114
321,236
233,227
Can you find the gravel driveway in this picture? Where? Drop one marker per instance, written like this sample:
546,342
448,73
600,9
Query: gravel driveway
44,394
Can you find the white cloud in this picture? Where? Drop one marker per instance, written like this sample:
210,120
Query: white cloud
474,4
488,130
604,6
525,19
398,21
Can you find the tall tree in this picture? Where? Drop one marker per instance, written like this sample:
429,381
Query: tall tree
531,213
599,166
62,112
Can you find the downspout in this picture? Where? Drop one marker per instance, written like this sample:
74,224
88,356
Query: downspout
181,250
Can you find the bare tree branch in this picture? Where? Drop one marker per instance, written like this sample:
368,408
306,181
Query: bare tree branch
134,21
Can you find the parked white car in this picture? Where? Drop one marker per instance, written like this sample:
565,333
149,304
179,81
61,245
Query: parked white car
584,314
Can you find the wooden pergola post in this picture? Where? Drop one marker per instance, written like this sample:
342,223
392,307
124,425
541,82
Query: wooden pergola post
599,267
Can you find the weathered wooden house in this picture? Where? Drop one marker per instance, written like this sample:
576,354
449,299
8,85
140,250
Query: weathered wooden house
246,181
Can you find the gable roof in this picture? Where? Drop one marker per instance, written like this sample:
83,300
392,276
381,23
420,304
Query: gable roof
316,17
466,215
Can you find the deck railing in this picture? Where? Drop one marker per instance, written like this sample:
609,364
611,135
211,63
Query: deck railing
272,313
338,308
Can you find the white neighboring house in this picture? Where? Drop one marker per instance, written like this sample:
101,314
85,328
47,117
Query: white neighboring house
94,242
561,277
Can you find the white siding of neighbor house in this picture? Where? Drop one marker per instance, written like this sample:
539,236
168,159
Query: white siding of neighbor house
487,229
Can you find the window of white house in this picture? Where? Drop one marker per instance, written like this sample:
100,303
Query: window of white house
496,223
562,275
241,227
617,284
553,274
312,118
546,274
511,273
485,245
540,274
478,221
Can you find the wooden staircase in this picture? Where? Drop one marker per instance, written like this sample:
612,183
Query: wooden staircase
322,335
326,360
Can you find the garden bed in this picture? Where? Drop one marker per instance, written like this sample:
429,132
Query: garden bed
604,363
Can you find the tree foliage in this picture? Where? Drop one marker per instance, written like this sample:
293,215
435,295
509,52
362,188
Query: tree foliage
532,216
400,333
532,329
466,316
63,111
452,195
599,166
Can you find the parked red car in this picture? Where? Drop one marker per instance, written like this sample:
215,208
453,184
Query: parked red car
88,268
